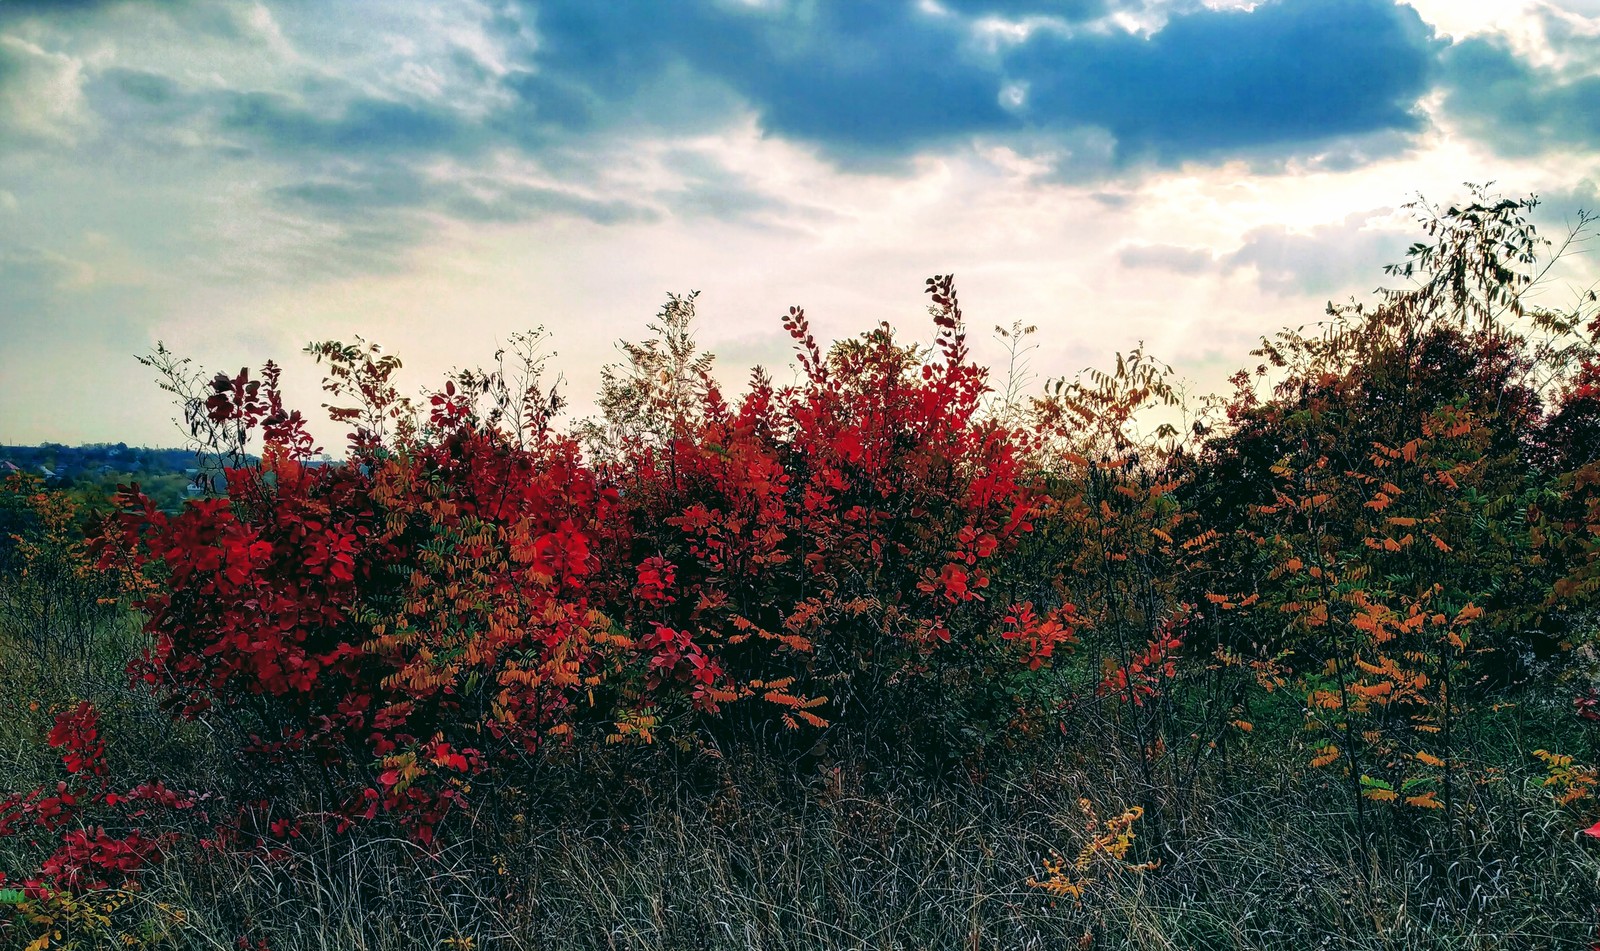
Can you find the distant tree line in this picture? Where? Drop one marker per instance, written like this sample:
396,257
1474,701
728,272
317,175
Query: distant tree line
94,470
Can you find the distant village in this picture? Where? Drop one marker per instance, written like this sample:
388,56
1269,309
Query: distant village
58,463
167,475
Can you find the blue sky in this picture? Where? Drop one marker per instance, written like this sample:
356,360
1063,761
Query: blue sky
239,178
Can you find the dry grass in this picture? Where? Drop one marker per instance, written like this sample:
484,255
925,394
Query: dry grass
652,849
880,862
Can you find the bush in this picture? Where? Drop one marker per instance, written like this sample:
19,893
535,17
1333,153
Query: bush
1328,643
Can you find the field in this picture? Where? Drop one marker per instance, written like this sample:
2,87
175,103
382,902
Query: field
905,654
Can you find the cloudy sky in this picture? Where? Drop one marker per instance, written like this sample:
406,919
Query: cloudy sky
237,179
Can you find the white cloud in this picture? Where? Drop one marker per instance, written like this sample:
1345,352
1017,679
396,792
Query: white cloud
1460,18
227,269
42,96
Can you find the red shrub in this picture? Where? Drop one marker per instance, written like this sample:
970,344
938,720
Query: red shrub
76,815
446,597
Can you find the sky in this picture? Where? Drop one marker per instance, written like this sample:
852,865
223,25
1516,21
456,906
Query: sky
239,179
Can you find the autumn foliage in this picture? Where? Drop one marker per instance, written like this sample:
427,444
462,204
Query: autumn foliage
463,592
1394,523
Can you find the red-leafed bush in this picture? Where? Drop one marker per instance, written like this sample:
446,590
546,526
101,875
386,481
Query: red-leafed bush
878,611
375,626
838,536
467,588
91,831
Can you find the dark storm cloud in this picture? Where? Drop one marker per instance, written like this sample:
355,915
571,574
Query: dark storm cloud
892,78
858,78
1071,10
1518,108
867,83
1283,74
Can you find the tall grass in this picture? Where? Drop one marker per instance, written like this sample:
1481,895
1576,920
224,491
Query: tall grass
667,849
877,861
